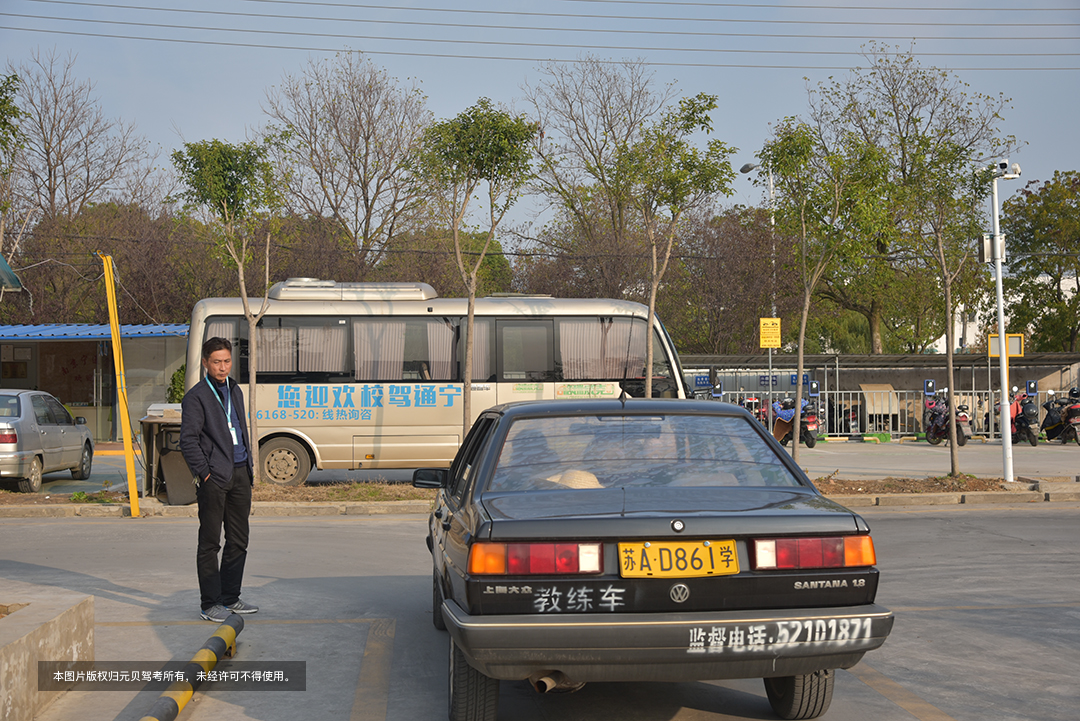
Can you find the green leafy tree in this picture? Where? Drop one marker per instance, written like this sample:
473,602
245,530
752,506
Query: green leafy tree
1042,232
482,150
667,176
827,200
917,117
939,208
235,184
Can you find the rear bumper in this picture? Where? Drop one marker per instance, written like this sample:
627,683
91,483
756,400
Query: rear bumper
15,464
669,647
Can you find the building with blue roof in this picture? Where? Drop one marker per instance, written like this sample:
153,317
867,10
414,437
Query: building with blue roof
74,363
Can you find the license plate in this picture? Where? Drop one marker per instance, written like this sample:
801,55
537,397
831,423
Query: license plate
677,559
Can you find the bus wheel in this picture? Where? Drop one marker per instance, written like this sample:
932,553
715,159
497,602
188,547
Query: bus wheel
285,462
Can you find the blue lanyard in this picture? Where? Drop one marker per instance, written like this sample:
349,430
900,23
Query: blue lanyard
227,409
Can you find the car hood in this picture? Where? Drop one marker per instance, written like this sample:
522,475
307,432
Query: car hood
648,512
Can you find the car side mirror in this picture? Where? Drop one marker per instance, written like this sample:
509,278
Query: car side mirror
429,478
80,421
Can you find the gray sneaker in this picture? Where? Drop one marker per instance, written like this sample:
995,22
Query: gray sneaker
217,614
241,607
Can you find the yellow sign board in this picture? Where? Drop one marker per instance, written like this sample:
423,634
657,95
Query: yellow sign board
770,332
1014,345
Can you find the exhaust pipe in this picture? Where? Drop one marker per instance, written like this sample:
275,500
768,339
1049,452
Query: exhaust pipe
554,682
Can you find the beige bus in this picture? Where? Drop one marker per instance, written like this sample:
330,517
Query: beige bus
369,375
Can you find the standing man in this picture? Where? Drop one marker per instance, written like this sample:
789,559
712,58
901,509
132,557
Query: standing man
214,441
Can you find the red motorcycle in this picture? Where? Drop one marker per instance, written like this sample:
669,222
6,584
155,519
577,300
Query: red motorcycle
1025,417
936,419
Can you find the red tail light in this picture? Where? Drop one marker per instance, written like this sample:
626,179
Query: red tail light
532,559
8,435
805,553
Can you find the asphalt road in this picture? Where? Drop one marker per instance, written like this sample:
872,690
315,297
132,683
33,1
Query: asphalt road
987,602
846,459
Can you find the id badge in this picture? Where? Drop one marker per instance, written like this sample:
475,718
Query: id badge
235,437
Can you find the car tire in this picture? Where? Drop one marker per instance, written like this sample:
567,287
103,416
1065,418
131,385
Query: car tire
961,439
473,696
86,461
32,483
801,697
436,602
284,462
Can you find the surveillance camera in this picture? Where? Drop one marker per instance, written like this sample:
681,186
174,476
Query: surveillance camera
1003,164
1015,169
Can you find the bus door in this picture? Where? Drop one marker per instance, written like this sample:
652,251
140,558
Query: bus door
525,357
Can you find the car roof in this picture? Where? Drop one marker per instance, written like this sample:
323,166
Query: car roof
631,406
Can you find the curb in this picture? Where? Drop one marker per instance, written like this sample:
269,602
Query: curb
953,499
173,700
151,507
272,509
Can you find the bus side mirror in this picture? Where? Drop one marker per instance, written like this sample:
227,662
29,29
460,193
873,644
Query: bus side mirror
429,478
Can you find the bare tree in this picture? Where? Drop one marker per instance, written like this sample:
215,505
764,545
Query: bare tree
72,153
585,112
348,130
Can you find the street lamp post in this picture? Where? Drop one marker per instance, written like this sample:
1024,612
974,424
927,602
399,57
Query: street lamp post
1003,171
772,290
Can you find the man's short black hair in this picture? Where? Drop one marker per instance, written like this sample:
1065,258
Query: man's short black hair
213,345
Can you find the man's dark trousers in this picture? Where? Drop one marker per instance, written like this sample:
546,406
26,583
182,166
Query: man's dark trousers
227,506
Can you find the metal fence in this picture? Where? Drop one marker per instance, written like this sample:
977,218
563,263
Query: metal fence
897,413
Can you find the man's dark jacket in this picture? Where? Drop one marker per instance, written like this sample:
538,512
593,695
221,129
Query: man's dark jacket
205,440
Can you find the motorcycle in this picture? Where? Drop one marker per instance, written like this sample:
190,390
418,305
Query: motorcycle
1024,416
1062,421
784,413
937,417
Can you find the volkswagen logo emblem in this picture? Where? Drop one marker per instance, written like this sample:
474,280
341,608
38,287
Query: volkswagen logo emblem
679,592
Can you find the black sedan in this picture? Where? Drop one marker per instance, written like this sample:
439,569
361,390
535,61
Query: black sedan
643,540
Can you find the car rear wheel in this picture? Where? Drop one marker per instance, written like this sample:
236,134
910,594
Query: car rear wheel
32,482
285,462
473,696
436,602
801,697
82,471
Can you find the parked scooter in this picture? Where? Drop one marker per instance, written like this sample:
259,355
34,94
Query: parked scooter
784,414
937,417
1062,421
1024,416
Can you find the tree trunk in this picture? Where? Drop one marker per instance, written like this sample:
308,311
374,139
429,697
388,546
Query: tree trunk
954,456
653,287
467,378
874,318
798,378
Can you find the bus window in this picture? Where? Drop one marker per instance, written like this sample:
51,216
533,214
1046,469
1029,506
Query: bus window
404,349
483,361
229,329
601,348
526,350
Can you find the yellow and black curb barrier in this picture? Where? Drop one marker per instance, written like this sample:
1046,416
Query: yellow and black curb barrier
221,644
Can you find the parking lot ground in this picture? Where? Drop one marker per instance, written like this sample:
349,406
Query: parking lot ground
987,602
910,460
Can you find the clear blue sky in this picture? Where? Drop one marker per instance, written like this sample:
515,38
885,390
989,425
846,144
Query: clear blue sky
197,69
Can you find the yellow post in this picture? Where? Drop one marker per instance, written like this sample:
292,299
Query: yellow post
121,383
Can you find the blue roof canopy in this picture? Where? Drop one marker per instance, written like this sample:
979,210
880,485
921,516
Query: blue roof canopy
88,331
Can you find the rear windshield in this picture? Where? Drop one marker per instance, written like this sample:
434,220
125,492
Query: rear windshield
9,406
584,452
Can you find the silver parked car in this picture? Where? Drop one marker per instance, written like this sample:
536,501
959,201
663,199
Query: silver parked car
38,435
